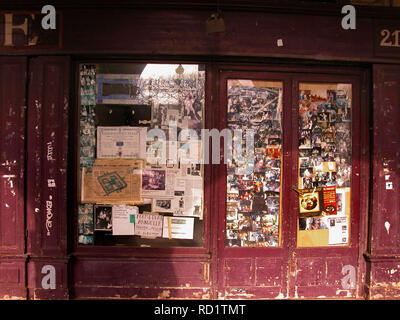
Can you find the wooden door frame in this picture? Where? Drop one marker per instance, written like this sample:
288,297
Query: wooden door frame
353,247
360,129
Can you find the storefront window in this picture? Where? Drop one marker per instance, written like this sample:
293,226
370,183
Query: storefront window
324,179
254,173
141,175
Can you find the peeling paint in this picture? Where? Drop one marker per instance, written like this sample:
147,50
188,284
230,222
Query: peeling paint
164,294
280,296
7,297
347,292
387,226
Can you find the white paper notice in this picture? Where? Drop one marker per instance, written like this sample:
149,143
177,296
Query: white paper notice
121,142
178,228
148,225
187,206
123,220
338,230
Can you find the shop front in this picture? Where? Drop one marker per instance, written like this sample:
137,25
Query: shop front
144,156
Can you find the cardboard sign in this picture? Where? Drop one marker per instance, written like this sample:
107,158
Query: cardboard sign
113,181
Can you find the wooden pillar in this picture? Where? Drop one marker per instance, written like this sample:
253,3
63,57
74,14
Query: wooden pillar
47,147
383,254
12,161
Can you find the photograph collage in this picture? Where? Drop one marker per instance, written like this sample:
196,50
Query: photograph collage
132,184
325,152
253,199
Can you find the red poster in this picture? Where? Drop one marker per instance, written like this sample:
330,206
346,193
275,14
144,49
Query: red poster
329,196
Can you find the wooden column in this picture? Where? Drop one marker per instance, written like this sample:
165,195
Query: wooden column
383,254
47,178
12,160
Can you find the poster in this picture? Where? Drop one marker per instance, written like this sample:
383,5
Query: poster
310,202
117,88
178,228
148,225
153,182
117,109
113,181
317,201
123,220
103,218
338,230
87,115
85,219
121,142
329,200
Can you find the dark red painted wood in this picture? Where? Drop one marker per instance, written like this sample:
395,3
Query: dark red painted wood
248,33
315,36
47,170
384,247
91,259
294,272
386,142
253,273
317,272
12,176
12,143
140,278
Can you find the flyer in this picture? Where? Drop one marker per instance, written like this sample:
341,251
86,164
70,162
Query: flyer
329,200
178,228
338,230
121,142
123,220
148,225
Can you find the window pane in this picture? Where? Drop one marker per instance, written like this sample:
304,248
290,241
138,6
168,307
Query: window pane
254,172
324,179
141,172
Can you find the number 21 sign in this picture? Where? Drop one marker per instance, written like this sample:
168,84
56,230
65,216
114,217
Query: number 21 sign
387,38
390,39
